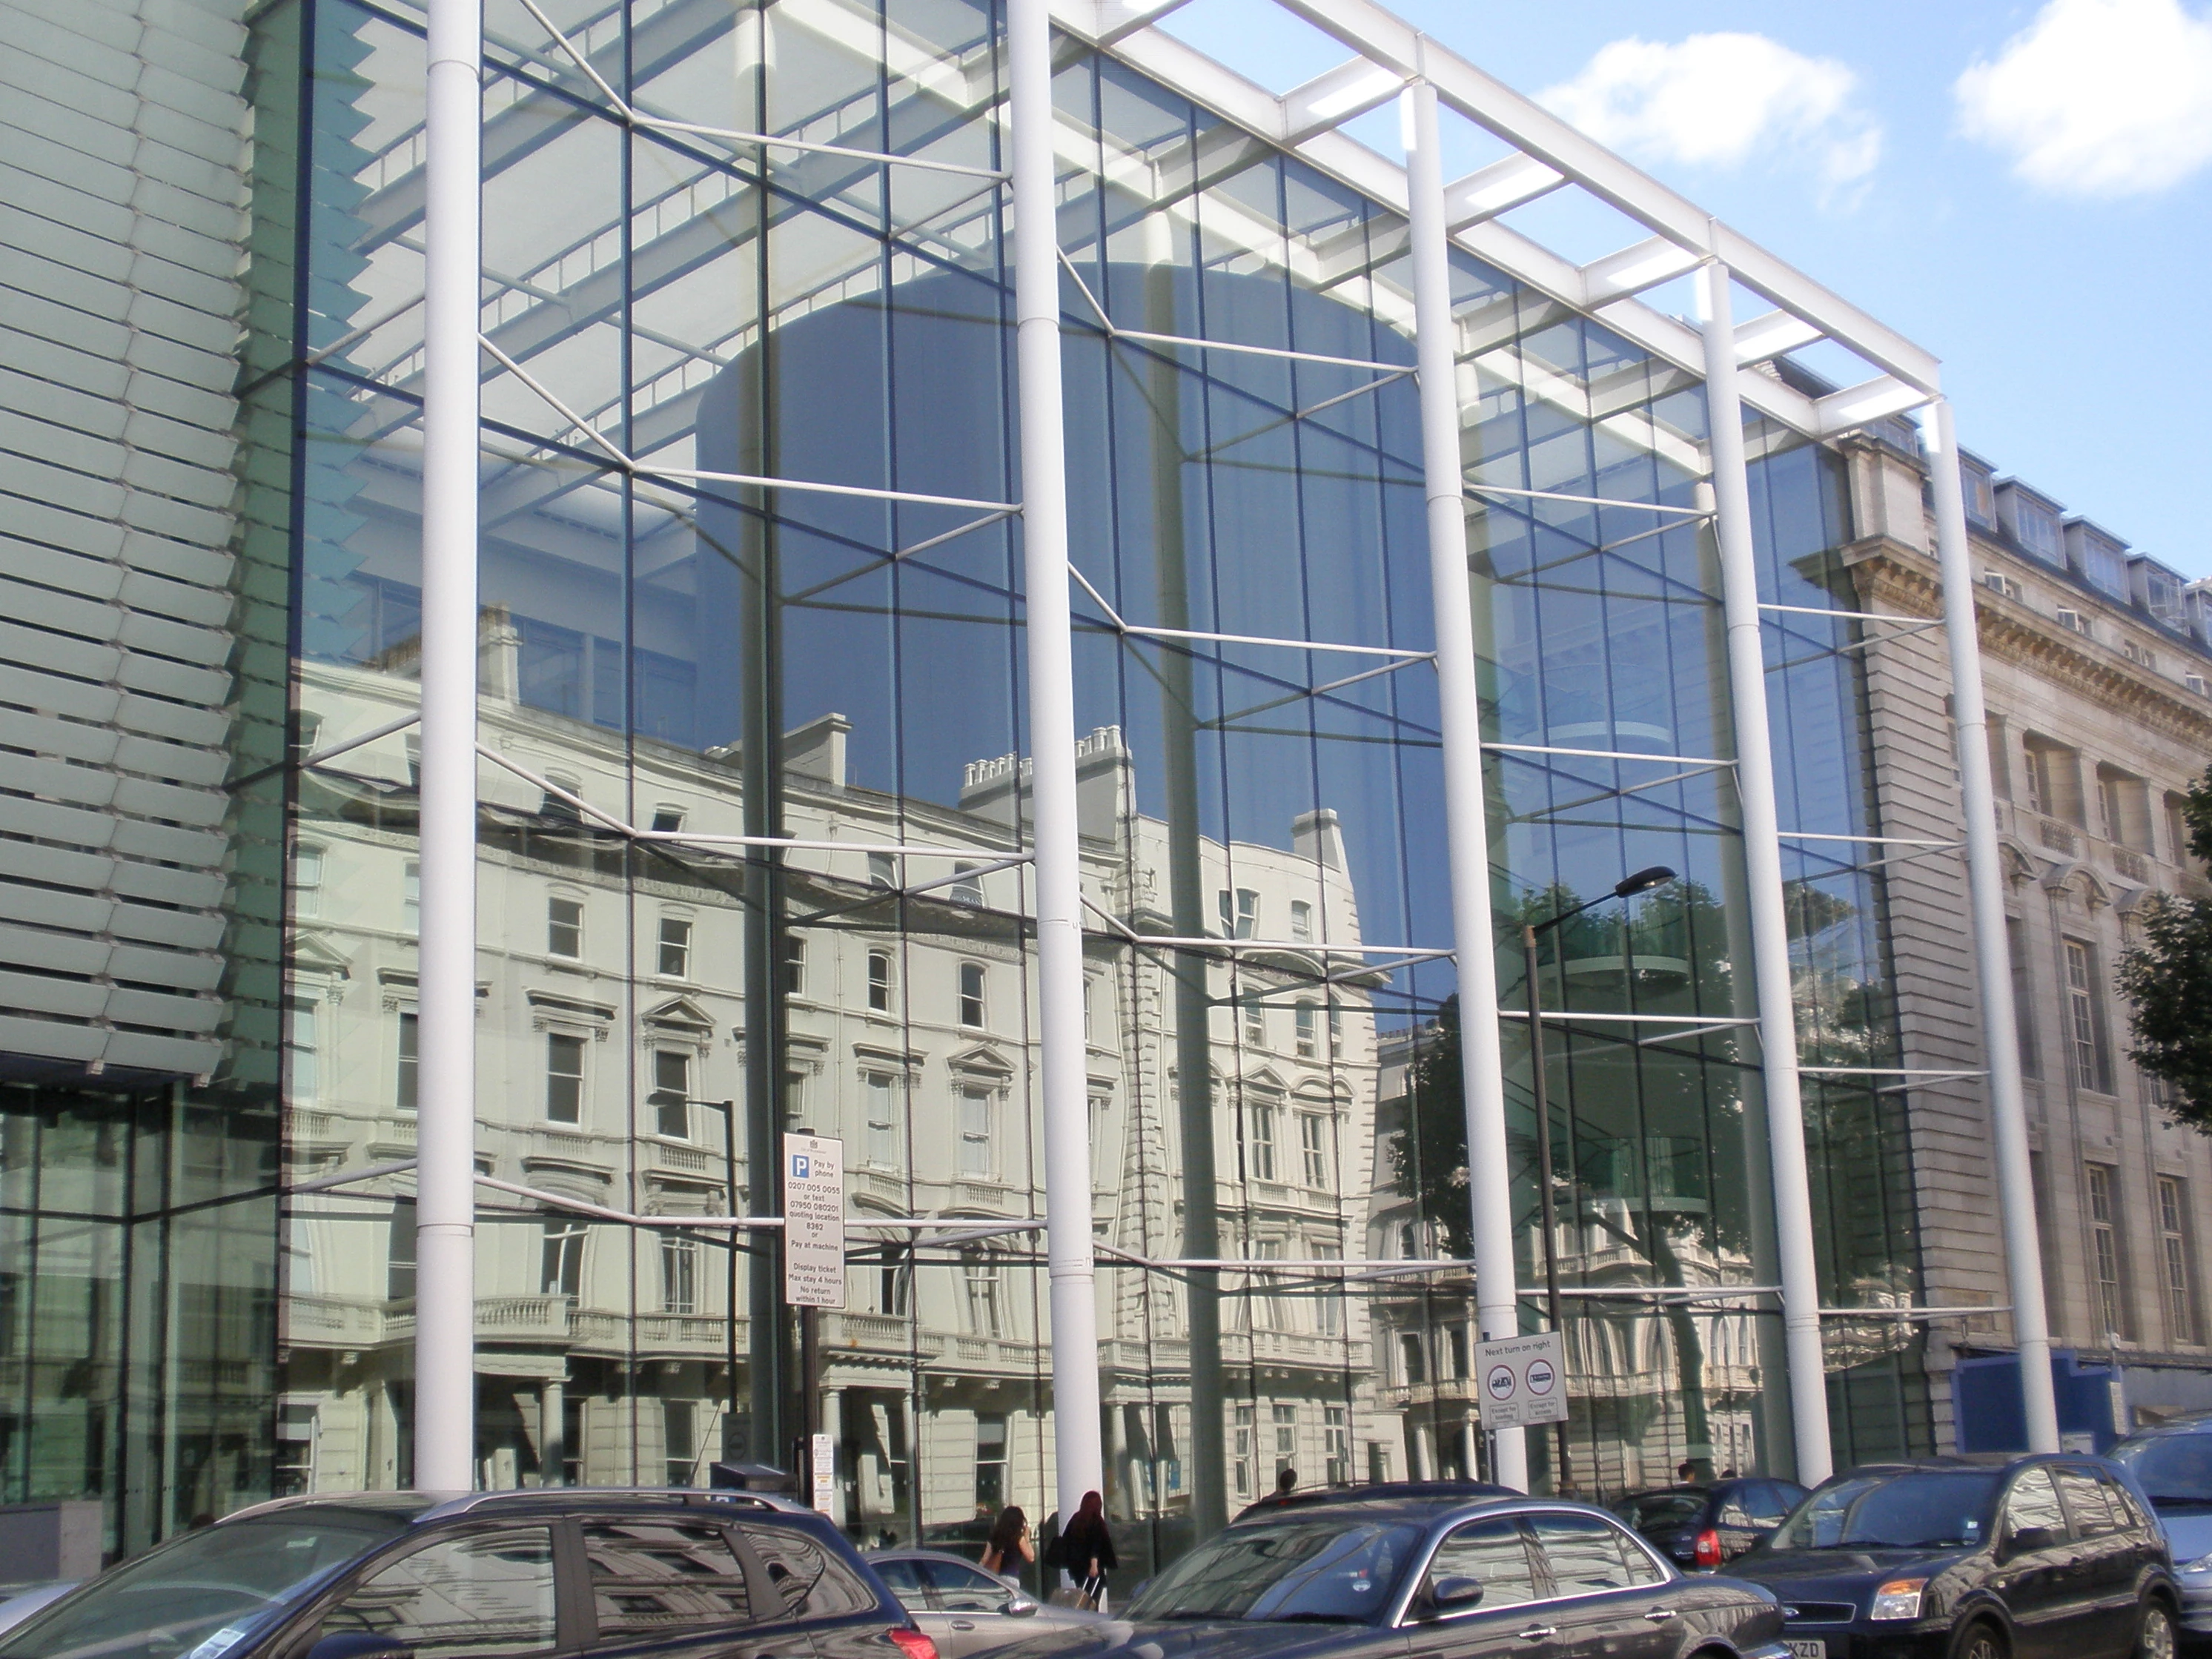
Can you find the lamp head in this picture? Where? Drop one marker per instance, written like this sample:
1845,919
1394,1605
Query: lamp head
1641,882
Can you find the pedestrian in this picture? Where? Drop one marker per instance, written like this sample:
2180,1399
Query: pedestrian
1086,1552
1010,1549
1286,1482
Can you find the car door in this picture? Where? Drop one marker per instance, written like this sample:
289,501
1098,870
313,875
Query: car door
840,1611
669,1587
2103,1564
487,1592
1608,1599
975,1608
1732,1519
1510,1617
2033,1566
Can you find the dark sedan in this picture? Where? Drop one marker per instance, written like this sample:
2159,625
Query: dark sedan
495,1576
2005,1557
1700,1527
1437,1578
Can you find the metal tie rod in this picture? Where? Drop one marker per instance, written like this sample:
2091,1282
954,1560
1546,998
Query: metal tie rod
630,113
1589,500
630,464
1604,754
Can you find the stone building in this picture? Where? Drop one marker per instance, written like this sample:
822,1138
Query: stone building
2096,666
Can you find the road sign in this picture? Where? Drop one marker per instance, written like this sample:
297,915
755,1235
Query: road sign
824,1482
813,1221
1523,1381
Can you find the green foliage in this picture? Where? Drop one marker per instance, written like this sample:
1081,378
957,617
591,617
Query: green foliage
2167,979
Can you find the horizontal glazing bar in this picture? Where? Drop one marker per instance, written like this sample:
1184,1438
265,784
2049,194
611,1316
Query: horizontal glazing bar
1852,615
628,1218
1589,500
1699,761
1878,840
685,838
1702,1020
350,1177
1304,947
1914,1313
1888,1071
1395,370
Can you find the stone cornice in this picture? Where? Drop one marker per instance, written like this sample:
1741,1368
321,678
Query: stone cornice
1892,576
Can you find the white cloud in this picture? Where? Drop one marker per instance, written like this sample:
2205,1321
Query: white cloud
1721,100
2098,97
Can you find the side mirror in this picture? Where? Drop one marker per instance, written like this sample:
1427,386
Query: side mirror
1019,1606
1455,1593
358,1644
2027,1539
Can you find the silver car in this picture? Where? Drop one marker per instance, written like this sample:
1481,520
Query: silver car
964,1610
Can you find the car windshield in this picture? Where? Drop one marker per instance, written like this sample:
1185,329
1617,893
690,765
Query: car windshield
2174,1469
201,1594
1660,1509
1928,1509
1318,1571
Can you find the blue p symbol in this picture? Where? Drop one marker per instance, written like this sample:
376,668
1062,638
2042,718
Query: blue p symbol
799,1166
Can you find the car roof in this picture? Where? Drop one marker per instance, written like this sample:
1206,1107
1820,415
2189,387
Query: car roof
420,1507
1964,1463
900,1553
1430,1493
1426,1507
2188,1423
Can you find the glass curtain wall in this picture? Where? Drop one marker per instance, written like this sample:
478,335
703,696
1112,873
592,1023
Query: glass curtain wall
674,657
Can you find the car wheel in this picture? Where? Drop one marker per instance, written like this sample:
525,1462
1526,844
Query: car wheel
1978,1641
2155,1637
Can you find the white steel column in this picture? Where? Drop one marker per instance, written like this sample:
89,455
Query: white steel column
1081,1466
1490,1188
445,1248
1992,951
1762,858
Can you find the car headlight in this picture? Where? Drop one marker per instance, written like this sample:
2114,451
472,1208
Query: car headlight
1898,1599
2202,1564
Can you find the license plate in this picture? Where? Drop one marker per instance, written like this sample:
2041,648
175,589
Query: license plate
1799,1649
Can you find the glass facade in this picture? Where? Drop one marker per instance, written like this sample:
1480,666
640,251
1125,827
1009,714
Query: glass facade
670,661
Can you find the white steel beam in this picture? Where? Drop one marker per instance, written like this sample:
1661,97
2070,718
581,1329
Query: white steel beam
1869,400
1643,265
1498,188
1490,1190
1992,952
444,1230
1335,97
1769,336
1770,923
1079,1459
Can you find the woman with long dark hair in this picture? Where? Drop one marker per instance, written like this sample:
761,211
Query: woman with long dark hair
1010,1548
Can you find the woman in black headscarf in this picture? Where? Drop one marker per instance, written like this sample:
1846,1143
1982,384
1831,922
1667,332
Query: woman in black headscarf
1086,1551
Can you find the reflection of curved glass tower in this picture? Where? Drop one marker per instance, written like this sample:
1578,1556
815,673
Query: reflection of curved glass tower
1260,784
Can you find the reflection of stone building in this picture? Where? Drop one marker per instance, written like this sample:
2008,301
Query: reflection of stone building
600,1343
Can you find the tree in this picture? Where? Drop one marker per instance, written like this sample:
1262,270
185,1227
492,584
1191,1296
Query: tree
2168,979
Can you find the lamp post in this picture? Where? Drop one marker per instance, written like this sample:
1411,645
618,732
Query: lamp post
1643,881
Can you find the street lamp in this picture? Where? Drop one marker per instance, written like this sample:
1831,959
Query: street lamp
1641,882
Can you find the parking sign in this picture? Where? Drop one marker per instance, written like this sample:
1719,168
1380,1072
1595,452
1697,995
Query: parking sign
813,1221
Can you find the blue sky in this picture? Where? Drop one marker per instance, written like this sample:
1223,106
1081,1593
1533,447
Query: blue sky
2023,189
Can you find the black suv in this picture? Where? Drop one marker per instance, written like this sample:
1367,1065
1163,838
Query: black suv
494,1576
1972,1557
1700,1527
